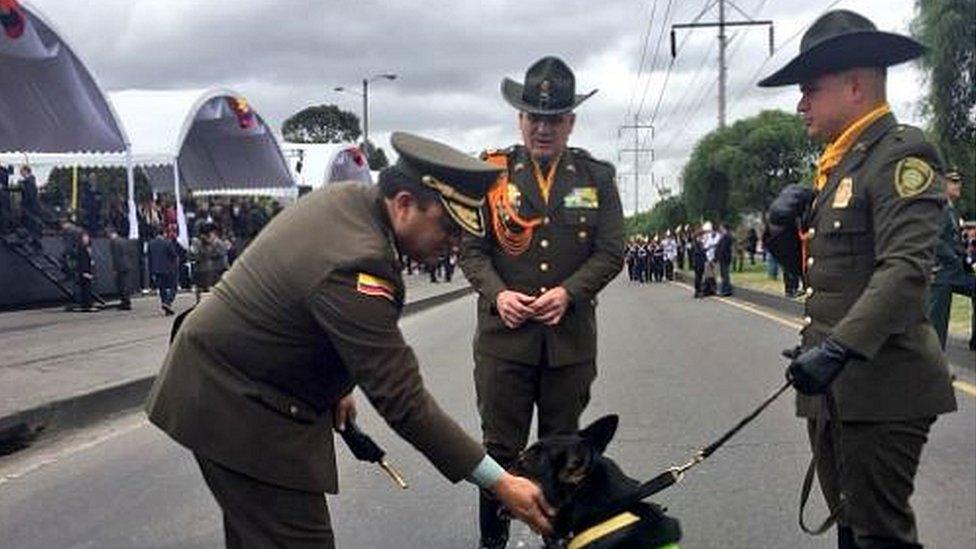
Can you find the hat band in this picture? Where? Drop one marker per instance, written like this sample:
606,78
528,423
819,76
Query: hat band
450,192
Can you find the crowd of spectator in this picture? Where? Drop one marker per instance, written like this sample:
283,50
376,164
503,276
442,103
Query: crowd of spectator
219,228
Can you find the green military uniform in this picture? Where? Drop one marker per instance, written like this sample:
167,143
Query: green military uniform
952,274
577,243
869,244
307,312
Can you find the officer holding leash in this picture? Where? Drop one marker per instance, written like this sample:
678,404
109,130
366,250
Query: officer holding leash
258,375
870,372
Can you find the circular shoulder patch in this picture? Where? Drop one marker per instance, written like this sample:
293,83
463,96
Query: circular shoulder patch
913,176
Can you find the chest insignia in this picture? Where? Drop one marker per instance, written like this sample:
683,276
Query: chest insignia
582,197
514,196
912,176
845,190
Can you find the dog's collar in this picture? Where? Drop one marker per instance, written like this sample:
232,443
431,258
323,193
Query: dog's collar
605,528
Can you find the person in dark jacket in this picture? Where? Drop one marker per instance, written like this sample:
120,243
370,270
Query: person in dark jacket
951,274
698,261
85,272
723,256
164,265
122,268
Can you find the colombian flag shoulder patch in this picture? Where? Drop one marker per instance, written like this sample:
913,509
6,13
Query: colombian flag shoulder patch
368,284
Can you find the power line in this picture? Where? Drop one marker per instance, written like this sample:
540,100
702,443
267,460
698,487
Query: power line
755,75
657,48
640,66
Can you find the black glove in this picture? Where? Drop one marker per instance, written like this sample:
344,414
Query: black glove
789,205
813,371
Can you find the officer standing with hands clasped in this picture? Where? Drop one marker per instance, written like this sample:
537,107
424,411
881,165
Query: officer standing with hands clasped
870,372
259,375
555,239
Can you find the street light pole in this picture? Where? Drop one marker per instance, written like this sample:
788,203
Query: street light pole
365,96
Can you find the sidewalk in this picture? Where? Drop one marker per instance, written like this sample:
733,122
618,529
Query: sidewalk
957,349
61,369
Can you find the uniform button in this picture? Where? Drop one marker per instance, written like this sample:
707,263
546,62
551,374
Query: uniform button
543,266
582,219
293,410
544,243
545,220
809,262
837,223
809,291
582,235
810,232
543,289
807,320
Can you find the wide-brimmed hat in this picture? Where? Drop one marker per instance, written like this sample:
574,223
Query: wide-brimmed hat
549,88
460,180
841,40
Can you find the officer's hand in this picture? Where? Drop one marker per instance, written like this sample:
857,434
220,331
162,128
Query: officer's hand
344,409
790,204
814,369
551,306
514,307
524,499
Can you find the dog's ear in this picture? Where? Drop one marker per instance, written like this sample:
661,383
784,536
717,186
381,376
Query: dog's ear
599,433
575,469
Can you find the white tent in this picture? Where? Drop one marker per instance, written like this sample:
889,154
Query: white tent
210,139
49,102
322,163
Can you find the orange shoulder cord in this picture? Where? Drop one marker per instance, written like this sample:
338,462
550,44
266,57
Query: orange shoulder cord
512,231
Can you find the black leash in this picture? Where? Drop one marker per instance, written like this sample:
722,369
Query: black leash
828,424
674,474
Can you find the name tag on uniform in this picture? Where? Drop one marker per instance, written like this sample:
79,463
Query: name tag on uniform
582,197
845,190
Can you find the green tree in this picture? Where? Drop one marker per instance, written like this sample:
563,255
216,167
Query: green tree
321,124
666,214
740,169
375,156
947,28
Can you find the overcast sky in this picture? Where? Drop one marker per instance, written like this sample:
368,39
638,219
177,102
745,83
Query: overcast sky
450,56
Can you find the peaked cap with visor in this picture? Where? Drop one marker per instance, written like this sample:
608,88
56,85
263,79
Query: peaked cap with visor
460,180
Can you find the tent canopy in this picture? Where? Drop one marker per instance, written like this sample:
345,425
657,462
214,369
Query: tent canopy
218,141
326,162
49,102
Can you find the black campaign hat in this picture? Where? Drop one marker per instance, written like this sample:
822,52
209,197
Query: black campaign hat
841,40
550,88
460,180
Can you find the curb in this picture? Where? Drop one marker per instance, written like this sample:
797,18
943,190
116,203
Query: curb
957,349
21,429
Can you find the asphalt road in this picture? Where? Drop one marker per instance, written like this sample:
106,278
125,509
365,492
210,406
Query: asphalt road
677,371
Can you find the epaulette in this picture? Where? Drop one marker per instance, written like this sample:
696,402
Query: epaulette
494,153
585,155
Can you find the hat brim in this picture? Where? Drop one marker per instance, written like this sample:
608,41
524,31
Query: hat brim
856,49
468,218
512,92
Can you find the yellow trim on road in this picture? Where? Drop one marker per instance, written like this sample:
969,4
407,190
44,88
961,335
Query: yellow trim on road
963,386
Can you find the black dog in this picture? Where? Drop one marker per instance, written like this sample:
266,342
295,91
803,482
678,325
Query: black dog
586,488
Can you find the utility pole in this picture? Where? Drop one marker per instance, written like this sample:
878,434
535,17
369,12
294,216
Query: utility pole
637,151
722,43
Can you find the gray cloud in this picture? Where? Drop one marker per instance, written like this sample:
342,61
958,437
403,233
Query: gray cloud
450,57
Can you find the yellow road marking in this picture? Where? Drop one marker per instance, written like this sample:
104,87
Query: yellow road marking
959,384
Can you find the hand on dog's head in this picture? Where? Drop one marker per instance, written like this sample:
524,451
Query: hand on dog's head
572,471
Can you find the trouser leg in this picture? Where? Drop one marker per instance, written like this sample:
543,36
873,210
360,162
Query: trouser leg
261,515
505,395
879,463
564,393
940,302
